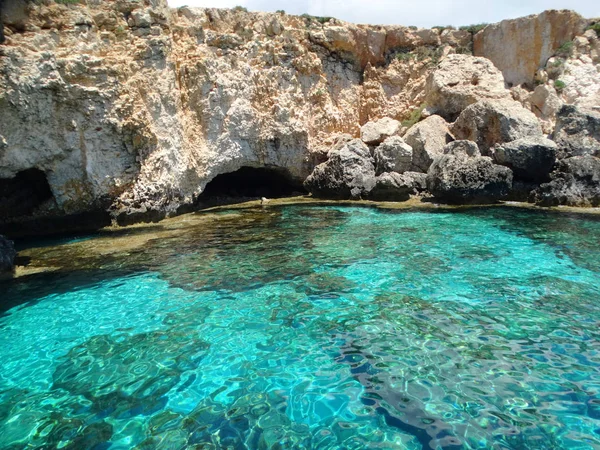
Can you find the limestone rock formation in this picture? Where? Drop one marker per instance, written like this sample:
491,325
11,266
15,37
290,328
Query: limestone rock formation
530,158
576,182
126,110
461,80
373,133
577,132
7,256
393,155
459,178
393,186
427,139
462,148
348,173
519,47
490,123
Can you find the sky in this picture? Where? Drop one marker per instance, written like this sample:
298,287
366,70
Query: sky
422,13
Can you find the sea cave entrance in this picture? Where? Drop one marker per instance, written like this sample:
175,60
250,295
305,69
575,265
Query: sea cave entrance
250,183
21,195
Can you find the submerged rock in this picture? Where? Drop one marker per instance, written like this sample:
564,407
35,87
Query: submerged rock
577,132
461,80
373,133
490,123
575,182
531,158
455,177
348,173
427,139
7,255
393,155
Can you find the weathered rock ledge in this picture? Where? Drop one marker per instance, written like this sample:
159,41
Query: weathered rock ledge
125,111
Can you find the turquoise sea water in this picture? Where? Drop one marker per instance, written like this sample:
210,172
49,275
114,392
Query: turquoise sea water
316,328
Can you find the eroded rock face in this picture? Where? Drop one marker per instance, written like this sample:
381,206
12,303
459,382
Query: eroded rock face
462,179
576,182
490,123
427,139
462,148
348,173
531,158
393,155
461,80
397,187
7,256
577,132
519,47
373,133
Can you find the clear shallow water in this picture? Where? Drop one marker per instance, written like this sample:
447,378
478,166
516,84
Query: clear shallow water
306,327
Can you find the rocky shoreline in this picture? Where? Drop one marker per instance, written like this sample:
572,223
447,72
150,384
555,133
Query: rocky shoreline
123,112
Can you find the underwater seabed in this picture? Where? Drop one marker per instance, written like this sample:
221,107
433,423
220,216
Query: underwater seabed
303,326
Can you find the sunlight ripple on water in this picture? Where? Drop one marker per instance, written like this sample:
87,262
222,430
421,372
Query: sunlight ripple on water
316,327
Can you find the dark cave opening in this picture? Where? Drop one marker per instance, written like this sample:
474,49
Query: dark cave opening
23,194
251,183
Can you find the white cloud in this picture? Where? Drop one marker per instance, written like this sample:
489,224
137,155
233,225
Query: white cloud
425,13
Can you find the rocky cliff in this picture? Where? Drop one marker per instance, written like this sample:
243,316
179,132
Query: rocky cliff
125,110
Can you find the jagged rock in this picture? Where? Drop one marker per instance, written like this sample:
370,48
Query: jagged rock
490,123
397,187
458,148
575,182
7,255
461,80
530,158
577,132
545,103
518,47
373,133
393,155
348,173
463,179
427,139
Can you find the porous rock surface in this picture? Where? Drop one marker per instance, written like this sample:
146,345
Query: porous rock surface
348,173
576,182
530,158
393,155
494,122
427,139
456,177
577,132
393,186
373,133
461,80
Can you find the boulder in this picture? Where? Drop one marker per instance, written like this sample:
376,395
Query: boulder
463,179
464,148
374,133
577,132
7,256
530,158
393,155
427,139
348,173
490,123
393,186
575,182
460,81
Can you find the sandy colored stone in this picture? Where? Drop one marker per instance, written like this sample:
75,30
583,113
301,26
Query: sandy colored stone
519,47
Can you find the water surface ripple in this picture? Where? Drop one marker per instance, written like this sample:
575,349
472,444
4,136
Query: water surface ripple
315,328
